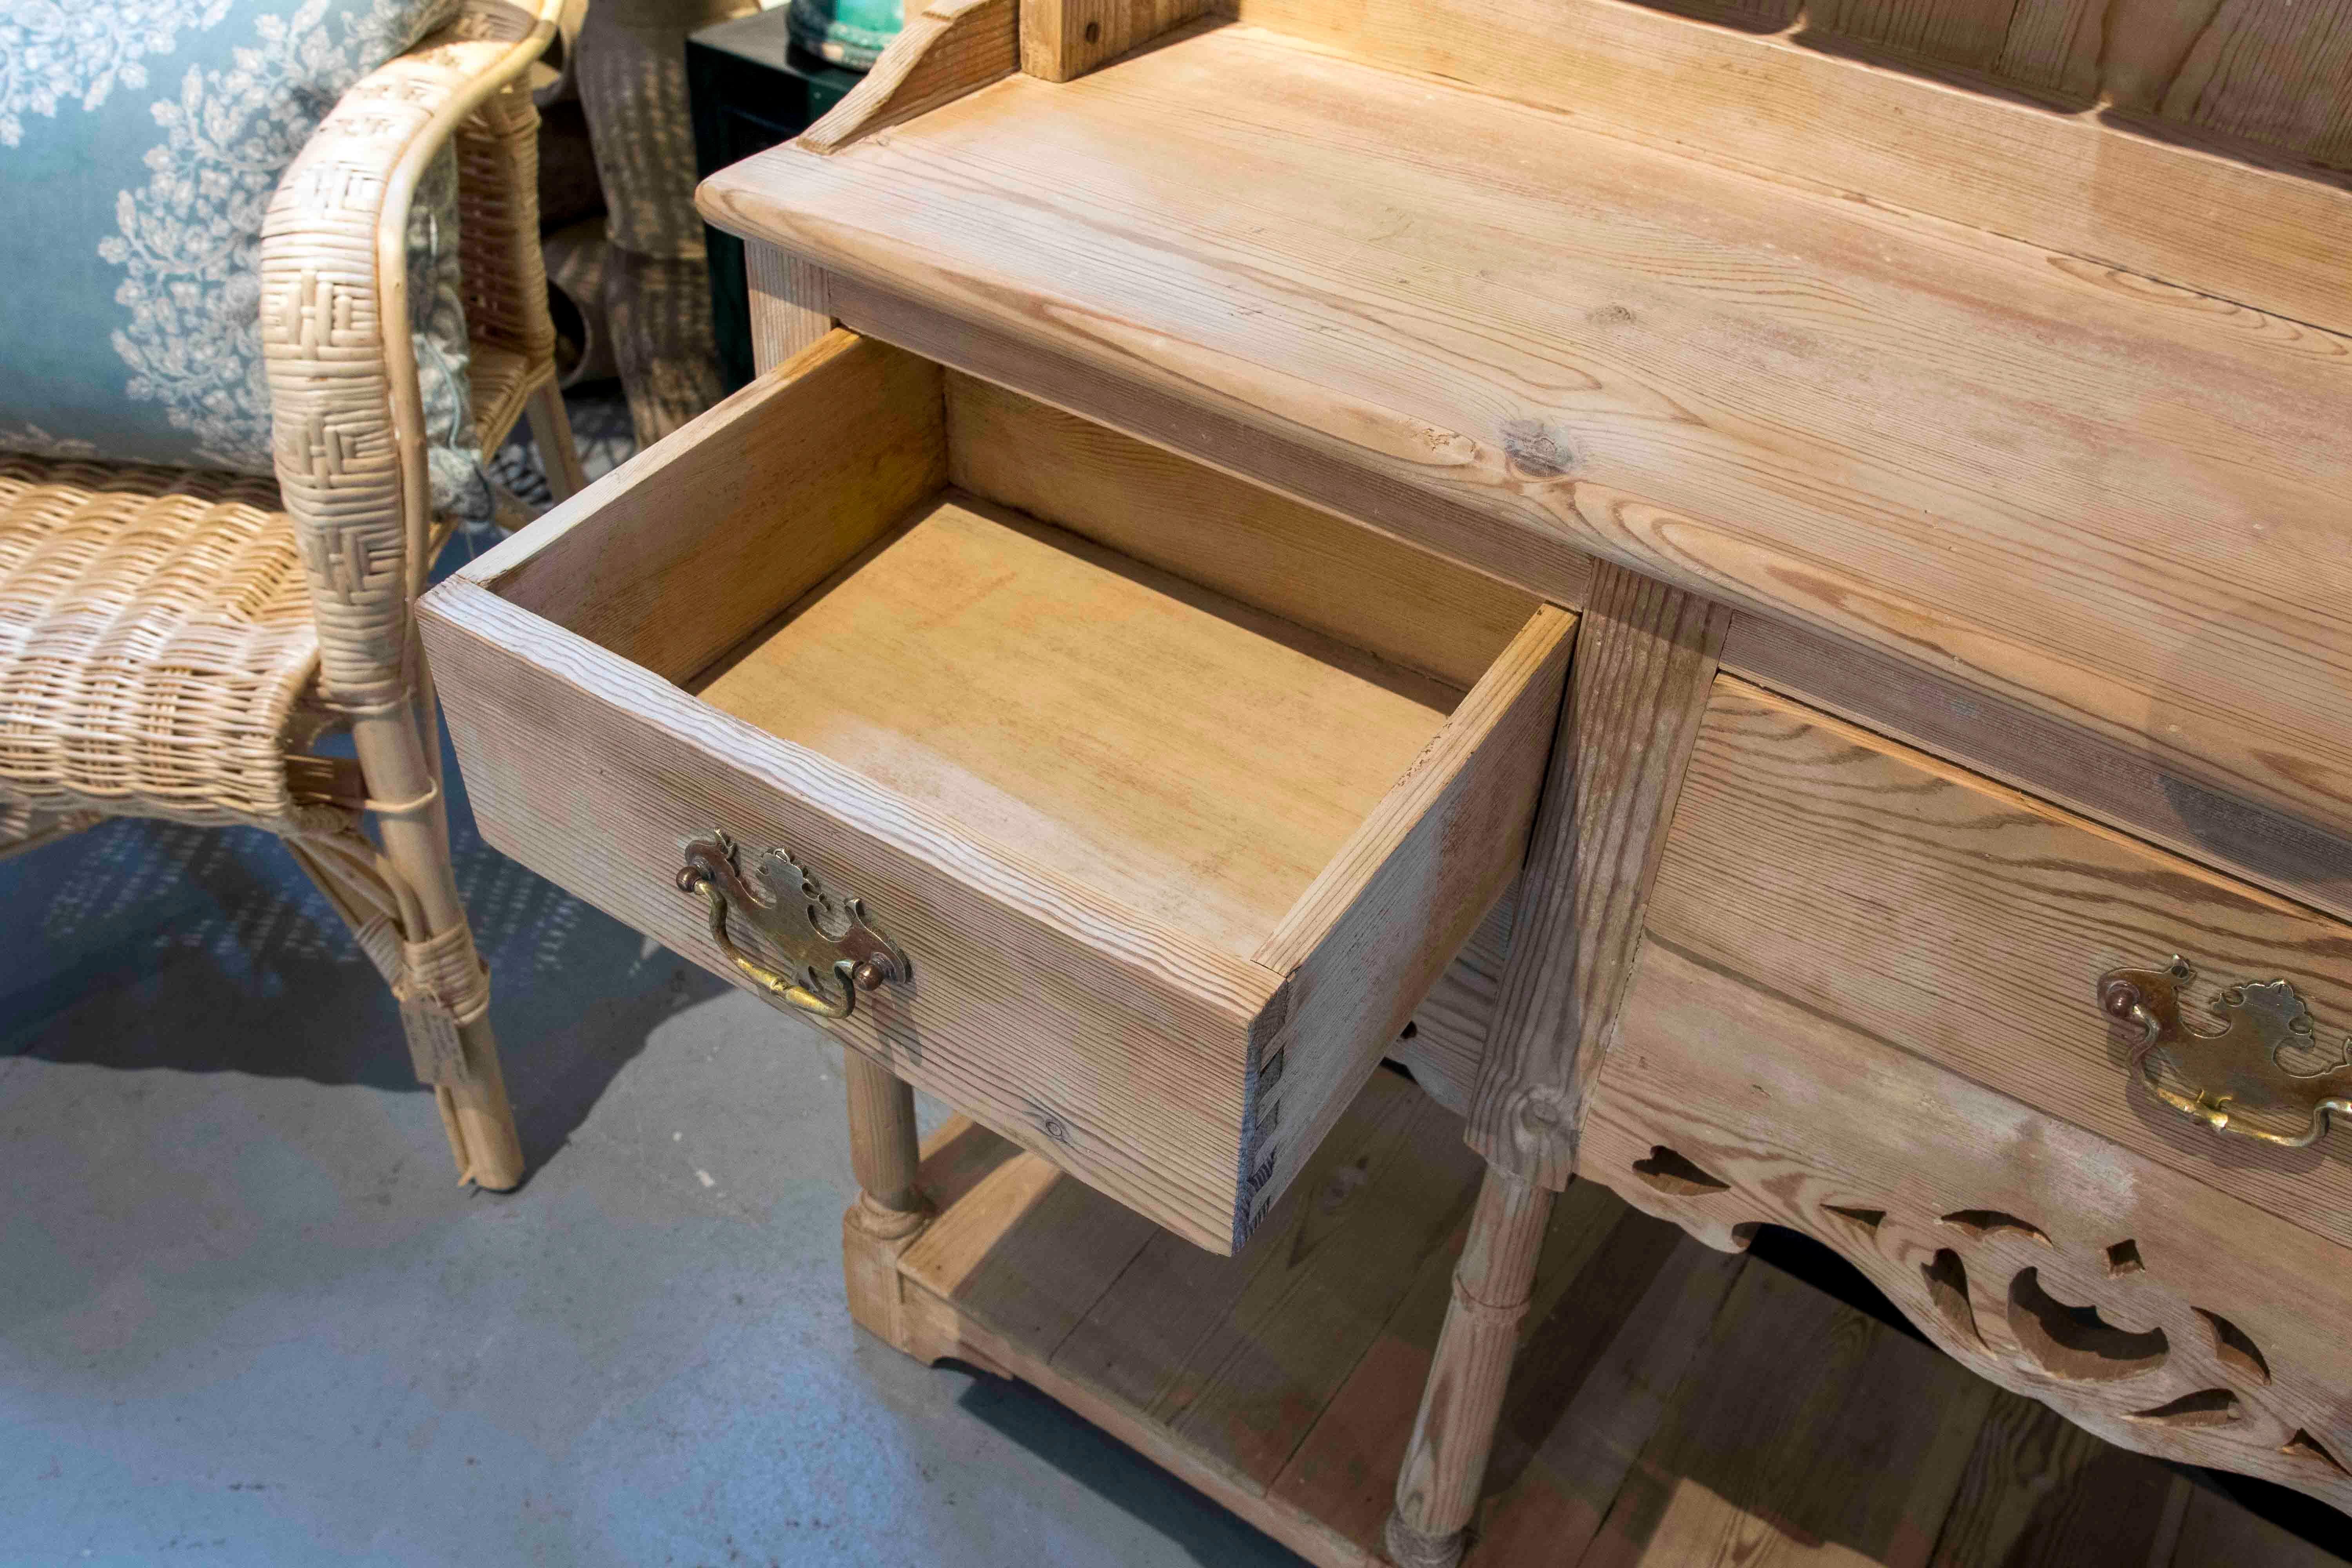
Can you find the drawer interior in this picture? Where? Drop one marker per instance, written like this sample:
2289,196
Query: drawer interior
1196,760
1178,794
1181,691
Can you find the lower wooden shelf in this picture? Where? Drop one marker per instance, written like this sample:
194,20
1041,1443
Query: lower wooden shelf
1670,1405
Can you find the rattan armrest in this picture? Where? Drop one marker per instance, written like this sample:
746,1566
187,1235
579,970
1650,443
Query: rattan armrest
346,414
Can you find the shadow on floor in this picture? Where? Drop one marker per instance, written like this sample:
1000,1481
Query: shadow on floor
145,946
1163,1505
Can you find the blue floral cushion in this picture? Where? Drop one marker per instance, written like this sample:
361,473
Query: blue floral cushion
140,144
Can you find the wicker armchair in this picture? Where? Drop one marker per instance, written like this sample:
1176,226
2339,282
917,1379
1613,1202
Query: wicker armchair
173,644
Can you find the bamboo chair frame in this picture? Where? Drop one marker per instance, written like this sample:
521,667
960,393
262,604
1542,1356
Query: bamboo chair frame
347,425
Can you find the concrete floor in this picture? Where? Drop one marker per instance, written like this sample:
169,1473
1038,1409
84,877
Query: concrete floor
246,1315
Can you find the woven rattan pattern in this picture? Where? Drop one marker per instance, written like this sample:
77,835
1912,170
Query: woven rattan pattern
155,633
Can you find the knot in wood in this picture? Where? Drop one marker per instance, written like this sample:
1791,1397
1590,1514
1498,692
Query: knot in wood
1537,449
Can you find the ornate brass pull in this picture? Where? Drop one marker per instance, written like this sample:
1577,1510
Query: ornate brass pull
821,933
2232,1080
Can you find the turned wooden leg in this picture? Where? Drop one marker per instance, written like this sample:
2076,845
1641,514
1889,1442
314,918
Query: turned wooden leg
551,432
1645,658
890,1211
1437,1490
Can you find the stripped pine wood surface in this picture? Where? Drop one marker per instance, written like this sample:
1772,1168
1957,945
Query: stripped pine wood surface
1012,741
2146,1305
1141,1014
1064,38
2084,128
2112,780
1381,921
1321,571
945,51
2272,70
1444,1463
1001,673
1446,1039
1645,663
858,443
1673,1405
1969,924
790,307
2054,472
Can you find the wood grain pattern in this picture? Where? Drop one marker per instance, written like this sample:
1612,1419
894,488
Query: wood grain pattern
1596,1261
1832,1439
1144,844
2040,1492
791,307
785,487
1088,716
1967,924
2275,71
947,49
1125,1002
1031,1250
890,1211
1629,1337
1385,917
1448,1039
1541,566
884,1148
1445,1462
2043,165
2118,783
1061,40
1325,574
2055,473
1642,674
2025,1453
1988,1222
1236,1358
1583,1404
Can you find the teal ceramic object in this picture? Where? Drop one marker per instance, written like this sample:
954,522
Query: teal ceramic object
851,33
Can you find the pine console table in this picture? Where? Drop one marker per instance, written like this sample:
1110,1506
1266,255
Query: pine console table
1848,515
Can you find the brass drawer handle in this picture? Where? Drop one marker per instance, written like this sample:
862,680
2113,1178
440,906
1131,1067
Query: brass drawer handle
2232,1080
821,933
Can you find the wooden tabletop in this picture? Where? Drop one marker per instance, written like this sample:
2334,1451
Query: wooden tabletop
2118,502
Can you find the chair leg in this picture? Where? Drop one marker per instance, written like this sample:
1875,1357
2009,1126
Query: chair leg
1445,1461
403,906
550,430
478,1118
475,1115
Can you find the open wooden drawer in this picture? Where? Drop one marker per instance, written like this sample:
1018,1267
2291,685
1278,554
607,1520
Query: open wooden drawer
1164,799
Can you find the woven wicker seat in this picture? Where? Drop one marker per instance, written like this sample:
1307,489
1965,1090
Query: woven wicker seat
172,642
156,637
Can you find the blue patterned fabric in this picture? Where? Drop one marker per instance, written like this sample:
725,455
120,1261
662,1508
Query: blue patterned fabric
140,144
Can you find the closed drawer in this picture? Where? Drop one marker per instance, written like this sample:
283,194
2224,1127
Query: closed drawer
2146,1304
1163,799
1959,921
